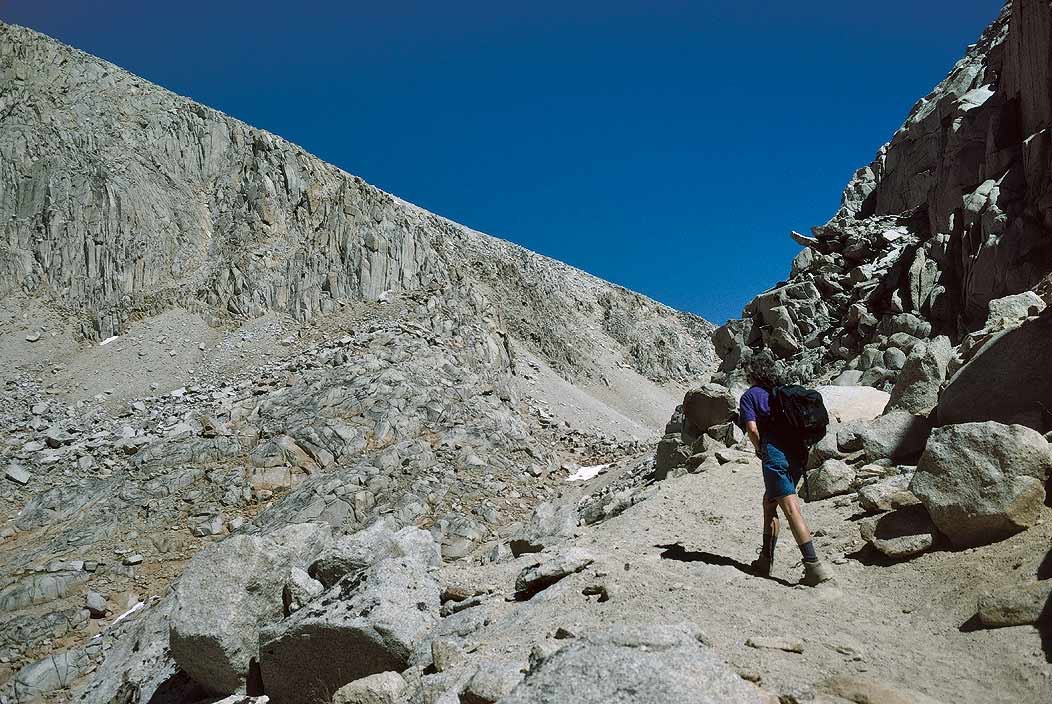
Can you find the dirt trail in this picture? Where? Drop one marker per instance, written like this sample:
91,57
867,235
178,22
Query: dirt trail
899,624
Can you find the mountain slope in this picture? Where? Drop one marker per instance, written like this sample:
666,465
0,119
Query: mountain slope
209,333
121,200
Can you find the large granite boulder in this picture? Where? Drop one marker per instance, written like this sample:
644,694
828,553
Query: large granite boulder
649,664
917,386
367,623
982,482
832,478
706,406
898,436
1007,380
900,534
227,593
848,403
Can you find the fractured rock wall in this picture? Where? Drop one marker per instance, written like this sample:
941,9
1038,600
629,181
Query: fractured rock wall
954,212
119,199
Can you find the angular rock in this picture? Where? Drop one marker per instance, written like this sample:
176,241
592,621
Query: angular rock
849,377
491,682
772,643
446,653
459,535
542,575
728,434
898,436
706,406
887,494
548,525
1018,605
730,456
894,358
982,482
17,474
656,664
832,478
828,448
226,594
1014,308
381,688
300,589
918,385
671,453
367,623
900,534
96,604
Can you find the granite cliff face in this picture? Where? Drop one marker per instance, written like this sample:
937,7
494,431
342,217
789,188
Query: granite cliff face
954,212
120,200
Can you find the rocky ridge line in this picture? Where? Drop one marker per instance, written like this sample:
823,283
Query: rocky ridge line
121,200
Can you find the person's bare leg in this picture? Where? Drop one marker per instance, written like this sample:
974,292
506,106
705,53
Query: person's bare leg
790,506
770,518
815,571
762,565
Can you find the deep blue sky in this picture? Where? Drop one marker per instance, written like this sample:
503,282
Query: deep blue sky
665,146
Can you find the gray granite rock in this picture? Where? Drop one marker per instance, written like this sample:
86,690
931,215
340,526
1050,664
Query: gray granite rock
982,482
367,623
657,664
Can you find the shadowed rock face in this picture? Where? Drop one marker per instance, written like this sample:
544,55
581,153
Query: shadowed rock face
1008,380
120,199
953,213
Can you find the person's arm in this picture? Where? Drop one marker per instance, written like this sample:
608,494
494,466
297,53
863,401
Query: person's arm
747,412
754,435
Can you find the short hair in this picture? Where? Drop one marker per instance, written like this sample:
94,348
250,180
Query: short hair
761,369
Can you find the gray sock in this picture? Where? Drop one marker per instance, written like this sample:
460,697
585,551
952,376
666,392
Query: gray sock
808,551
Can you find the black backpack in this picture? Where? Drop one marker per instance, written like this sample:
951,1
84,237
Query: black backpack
798,414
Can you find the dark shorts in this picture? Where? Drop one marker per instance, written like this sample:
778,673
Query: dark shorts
782,471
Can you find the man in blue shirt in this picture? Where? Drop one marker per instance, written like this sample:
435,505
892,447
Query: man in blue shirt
784,459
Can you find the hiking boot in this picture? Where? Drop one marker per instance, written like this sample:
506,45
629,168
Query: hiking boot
815,573
761,566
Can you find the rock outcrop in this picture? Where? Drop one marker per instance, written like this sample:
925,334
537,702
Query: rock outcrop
952,214
1006,380
366,624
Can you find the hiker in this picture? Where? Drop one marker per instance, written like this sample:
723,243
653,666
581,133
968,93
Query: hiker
784,458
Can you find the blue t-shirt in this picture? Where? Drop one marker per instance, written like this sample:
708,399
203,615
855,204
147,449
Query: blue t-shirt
755,405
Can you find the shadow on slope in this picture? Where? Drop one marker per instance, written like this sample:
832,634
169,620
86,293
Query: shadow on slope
675,551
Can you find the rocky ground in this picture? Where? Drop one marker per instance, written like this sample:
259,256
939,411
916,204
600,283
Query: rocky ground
309,443
124,459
